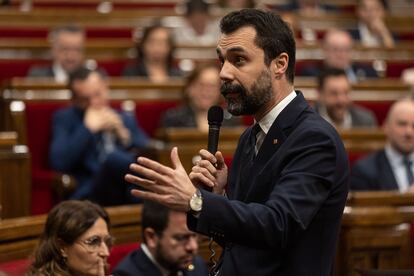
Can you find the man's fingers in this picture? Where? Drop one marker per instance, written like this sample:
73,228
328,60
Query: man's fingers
199,178
145,183
153,165
206,155
175,159
146,172
204,171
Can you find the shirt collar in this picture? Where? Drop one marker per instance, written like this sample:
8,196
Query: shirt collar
267,121
395,157
60,74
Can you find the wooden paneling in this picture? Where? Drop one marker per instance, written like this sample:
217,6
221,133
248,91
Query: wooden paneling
15,188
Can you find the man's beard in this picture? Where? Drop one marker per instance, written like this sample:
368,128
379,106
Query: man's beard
248,101
165,261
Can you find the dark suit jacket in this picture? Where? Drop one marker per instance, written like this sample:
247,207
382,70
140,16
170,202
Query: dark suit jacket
138,264
139,70
184,116
361,71
373,173
41,71
361,117
282,216
77,151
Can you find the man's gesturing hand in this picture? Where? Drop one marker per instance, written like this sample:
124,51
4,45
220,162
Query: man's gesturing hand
169,186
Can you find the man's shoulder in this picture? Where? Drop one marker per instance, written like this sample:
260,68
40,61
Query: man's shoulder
129,264
370,161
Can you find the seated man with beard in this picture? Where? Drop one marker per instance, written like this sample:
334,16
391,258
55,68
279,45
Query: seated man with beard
334,103
168,247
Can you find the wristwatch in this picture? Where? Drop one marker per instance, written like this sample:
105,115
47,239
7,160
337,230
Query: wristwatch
196,202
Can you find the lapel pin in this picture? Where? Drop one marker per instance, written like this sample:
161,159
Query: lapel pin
275,141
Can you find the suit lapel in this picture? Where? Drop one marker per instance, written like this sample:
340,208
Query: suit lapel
387,178
278,133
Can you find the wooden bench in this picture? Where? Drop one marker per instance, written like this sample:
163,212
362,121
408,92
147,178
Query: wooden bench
15,187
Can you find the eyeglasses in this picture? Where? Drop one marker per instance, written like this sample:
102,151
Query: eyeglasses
184,238
93,244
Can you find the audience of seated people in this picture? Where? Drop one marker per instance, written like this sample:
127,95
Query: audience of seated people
335,105
372,30
76,240
155,55
168,247
392,167
198,26
201,91
337,47
91,141
67,49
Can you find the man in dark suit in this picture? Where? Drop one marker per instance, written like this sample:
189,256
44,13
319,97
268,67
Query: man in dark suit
334,103
289,178
337,50
67,49
392,167
168,247
91,141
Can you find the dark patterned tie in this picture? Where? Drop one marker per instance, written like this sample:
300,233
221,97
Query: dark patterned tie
408,169
253,139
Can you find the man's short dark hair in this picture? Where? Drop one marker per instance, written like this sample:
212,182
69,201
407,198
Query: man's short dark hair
155,216
327,73
65,29
81,74
273,35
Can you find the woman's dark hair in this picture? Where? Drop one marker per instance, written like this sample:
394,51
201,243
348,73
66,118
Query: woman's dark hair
64,225
273,35
145,35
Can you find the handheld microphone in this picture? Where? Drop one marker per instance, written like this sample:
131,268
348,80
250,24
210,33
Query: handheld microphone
215,118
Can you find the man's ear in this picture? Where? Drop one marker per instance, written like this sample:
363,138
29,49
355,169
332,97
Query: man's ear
151,238
279,65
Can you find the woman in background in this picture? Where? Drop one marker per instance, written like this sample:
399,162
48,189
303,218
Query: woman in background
155,55
201,91
75,241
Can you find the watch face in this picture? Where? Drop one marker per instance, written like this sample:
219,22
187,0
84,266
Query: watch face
196,203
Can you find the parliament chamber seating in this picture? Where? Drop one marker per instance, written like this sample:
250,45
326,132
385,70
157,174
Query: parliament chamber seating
41,98
31,116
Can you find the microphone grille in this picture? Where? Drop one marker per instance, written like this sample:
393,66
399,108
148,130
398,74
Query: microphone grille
215,115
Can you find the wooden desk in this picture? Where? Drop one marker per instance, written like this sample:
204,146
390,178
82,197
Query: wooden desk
15,185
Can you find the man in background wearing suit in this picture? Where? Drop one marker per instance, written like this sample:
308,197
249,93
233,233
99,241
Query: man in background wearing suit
334,103
67,49
91,141
168,247
392,167
278,210
337,47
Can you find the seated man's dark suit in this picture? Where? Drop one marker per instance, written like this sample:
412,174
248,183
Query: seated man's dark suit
184,116
360,71
284,206
373,173
77,151
41,71
137,263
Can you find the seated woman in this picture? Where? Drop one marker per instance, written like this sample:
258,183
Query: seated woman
75,241
201,91
155,55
